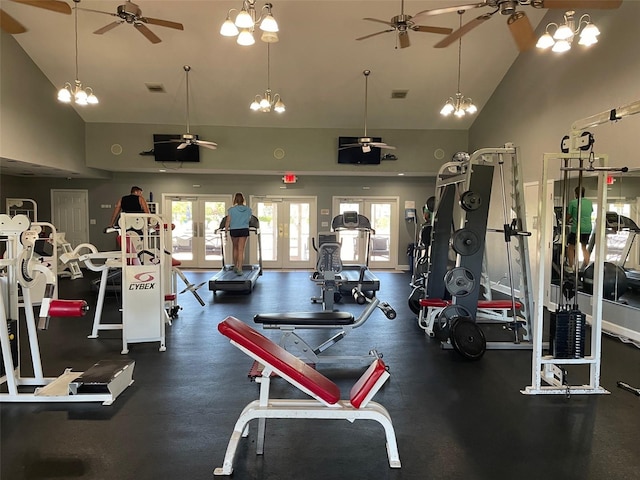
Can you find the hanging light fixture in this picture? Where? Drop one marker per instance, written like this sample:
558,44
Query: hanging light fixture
244,24
564,34
460,105
268,101
81,96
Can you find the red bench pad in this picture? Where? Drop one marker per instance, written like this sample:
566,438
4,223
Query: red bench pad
487,304
366,382
277,357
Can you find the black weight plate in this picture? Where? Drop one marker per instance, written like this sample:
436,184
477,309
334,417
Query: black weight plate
459,281
422,266
445,319
414,299
467,338
465,242
470,201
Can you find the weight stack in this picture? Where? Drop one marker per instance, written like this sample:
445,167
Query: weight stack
567,334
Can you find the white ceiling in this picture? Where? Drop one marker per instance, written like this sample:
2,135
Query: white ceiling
316,67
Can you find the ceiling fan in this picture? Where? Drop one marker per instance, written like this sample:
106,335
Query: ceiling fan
366,142
13,26
518,22
402,24
189,138
131,13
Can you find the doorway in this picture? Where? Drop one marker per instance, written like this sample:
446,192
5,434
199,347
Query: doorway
382,212
287,225
194,240
70,214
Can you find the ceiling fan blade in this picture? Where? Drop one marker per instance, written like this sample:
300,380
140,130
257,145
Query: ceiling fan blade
162,23
97,11
382,145
183,145
10,24
386,22
522,31
374,34
426,29
349,145
578,4
209,145
404,39
53,5
142,28
466,28
108,27
418,17
206,142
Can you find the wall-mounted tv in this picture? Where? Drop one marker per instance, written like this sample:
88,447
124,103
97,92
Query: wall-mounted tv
164,150
355,155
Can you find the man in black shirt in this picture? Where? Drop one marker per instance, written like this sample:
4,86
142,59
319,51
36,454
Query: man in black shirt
133,203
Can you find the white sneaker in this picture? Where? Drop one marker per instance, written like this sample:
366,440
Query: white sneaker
569,269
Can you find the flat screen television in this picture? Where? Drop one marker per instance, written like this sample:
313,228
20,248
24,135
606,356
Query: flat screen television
167,151
355,155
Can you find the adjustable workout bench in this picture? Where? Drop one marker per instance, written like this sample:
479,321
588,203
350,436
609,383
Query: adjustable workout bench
342,321
326,394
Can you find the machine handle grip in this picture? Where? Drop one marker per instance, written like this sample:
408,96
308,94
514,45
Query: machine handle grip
388,310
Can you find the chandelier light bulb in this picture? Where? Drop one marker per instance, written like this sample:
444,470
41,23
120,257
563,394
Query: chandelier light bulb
244,19
590,30
561,46
545,41
265,106
228,28
563,33
269,37
279,106
269,24
471,109
255,105
245,38
447,109
64,94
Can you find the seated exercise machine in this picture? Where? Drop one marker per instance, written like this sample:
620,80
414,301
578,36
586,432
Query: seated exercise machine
289,323
351,276
226,279
103,382
328,269
142,260
326,403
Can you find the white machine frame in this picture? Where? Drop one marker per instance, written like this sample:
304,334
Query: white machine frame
46,389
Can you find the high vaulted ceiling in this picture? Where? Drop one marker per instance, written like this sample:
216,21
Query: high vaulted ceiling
316,66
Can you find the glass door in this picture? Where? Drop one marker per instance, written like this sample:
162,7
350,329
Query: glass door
287,225
194,240
382,213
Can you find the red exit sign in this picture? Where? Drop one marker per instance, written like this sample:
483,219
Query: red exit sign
289,178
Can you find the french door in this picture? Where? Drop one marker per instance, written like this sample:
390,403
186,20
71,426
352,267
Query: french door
287,225
382,213
194,240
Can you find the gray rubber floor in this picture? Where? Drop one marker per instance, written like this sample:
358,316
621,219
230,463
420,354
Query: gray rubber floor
454,419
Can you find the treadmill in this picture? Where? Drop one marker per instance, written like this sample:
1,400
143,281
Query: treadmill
356,274
226,279
621,233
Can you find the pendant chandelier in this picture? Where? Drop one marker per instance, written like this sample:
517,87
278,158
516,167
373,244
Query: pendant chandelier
269,100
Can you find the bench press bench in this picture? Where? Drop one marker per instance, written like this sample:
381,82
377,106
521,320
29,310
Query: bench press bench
288,323
488,310
326,403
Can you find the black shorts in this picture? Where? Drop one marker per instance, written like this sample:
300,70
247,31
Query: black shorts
239,232
584,238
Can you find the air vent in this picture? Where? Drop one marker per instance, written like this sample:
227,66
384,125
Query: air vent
155,87
399,93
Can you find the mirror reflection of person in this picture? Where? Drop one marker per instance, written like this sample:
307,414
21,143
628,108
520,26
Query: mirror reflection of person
586,207
132,203
237,226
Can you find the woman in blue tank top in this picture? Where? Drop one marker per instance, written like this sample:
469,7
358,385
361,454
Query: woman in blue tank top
237,226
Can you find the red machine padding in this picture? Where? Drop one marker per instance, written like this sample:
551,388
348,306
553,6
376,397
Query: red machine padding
68,308
277,357
366,382
175,263
170,297
433,302
487,304
497,304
